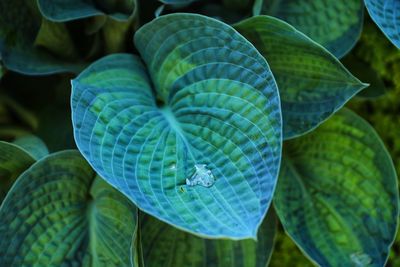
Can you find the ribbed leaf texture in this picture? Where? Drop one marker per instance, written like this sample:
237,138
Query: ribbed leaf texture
206,159
164,245
334,24
10,168
58,213
312,83
337,194
386,14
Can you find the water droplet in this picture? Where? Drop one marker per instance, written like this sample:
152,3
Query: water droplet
202,176
360,259
173,167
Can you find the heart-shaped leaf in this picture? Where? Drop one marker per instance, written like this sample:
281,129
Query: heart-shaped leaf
20,22
13,161
337,193
386,14
206,157
164,245
66,10
58,213
312,83
334,24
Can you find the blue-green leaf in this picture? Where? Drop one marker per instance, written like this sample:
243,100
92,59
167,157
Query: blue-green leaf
33,145
312,83
58,213
20,22
335,24
386,14
13,161
66,10
198,143
337,194
164,245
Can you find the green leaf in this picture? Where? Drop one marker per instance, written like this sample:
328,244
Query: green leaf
13,161
164,245
386,14
336,25
19,25
214,102
337,193
67,10
58,213
312,83
33,145
364,72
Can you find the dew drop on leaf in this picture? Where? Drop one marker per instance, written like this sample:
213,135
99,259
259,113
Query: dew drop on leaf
202,176
360,259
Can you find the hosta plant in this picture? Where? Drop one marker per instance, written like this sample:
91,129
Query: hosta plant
199,128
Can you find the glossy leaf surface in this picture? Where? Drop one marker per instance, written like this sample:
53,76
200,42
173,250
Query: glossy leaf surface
386,14
164,245
213,115
312,83
337,194
59,213
334,24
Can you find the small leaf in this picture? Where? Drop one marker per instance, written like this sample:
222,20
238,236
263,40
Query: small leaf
19,25
165,245
33,145
67,10
336,25
58,213
337,193
312,83
386,14
13,161
218,106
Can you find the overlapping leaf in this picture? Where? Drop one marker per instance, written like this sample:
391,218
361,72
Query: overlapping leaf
386,14
337,193
312,83
66,10
59,213
13,161
20,22
164,245
218,106
177,2
334,24
33,145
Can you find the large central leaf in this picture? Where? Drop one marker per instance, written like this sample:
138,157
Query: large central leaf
206,157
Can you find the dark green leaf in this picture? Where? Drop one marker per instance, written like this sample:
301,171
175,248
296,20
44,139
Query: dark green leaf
13,161
164,245
20,22
335,24
218,106
58,213
337,193
312,83
66,10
